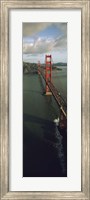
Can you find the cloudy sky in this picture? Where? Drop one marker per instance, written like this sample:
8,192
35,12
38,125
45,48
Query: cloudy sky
44,38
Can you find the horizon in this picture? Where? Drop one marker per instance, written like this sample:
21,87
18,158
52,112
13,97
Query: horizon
44,63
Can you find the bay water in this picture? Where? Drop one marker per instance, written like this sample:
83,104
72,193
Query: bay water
44,147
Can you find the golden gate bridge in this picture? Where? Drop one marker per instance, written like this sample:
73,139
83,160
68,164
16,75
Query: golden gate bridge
51,90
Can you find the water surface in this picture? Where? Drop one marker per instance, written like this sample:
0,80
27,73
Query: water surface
44,147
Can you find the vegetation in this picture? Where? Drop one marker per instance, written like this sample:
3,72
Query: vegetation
29,68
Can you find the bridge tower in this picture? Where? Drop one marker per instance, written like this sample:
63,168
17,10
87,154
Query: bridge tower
39,67
48,72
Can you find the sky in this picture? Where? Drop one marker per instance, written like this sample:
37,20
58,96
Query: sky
44,38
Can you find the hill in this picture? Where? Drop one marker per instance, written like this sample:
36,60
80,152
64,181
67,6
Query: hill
32,68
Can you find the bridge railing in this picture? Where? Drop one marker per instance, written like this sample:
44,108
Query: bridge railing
59,99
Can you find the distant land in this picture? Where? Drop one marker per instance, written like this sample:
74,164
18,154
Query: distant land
60,64
29,68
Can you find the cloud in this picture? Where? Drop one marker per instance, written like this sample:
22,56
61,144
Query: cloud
40,45
30,29
44,45
35,44
61,42
62,27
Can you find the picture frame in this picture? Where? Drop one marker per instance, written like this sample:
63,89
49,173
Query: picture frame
5,6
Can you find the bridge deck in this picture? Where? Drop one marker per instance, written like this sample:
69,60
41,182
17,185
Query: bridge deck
59,99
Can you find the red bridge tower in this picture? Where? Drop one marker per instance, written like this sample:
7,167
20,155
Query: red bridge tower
48,72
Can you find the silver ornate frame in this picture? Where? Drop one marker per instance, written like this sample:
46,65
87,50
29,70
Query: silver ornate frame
5,5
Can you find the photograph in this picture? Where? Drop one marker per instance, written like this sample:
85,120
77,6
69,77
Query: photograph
45,100
44,51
